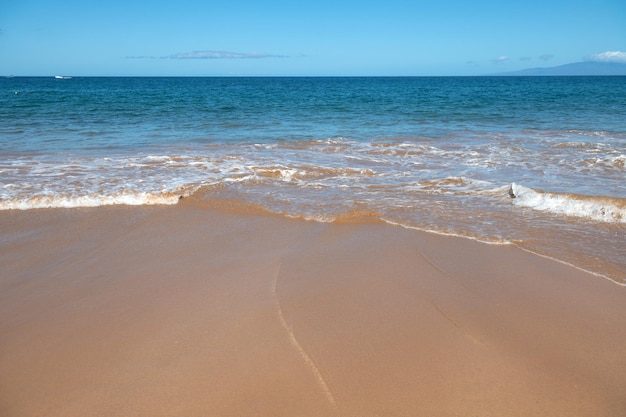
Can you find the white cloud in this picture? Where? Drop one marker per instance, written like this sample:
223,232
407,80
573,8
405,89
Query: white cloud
608,56
499,59
211,55
221,55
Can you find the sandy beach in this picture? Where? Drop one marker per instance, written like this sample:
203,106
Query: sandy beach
223,310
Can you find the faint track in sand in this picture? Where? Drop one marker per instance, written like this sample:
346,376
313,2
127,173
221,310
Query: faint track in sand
298,347
436,306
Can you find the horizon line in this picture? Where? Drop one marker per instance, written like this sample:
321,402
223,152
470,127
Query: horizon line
499,75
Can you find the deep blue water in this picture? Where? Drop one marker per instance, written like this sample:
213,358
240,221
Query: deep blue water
78,114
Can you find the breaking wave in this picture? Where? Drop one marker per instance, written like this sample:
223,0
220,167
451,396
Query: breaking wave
602,209
74,201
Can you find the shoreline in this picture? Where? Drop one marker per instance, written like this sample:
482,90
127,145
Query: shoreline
197,310
615,281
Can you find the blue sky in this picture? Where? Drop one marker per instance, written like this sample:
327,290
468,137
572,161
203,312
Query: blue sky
271,37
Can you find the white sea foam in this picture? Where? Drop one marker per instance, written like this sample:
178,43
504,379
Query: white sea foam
281,173
494,241
69,201
602,209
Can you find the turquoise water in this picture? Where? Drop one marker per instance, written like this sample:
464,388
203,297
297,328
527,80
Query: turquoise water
539,162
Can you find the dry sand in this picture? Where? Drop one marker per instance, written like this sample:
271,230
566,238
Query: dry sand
196,311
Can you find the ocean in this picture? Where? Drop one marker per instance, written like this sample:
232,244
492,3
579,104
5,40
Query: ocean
536,162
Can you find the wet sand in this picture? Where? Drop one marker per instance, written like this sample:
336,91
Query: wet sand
190,310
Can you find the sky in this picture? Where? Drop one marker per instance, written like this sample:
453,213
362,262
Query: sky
304,38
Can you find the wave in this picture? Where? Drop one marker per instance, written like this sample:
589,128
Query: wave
610,162
453,185
73,201
305,172
597,208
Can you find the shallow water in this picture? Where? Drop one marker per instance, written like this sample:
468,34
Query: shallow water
538,162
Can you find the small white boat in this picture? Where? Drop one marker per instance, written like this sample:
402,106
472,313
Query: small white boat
62,77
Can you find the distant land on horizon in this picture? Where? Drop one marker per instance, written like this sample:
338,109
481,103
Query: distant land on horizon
576,68
583,68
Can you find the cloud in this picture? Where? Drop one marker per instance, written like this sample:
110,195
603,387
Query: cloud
500,59
222,55
140,57
211,55
608,56
546,57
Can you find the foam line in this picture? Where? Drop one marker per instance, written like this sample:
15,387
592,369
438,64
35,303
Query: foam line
595,274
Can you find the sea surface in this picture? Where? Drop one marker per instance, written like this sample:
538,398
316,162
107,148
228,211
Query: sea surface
538,162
